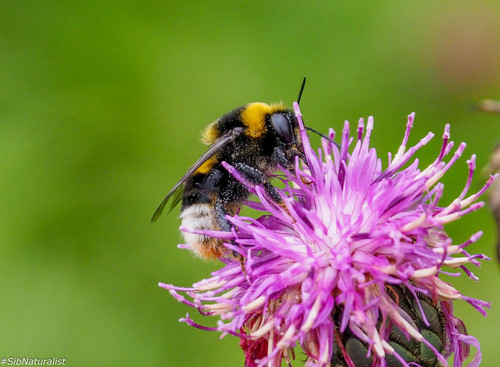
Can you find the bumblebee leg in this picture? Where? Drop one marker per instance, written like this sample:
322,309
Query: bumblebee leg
225,225
212,179
256,176
272,192
221,213
279,156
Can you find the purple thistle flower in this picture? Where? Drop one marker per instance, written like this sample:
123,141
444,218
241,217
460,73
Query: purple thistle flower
333,258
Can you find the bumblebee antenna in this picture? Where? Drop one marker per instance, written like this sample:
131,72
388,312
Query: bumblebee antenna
310,128
301,90
323,136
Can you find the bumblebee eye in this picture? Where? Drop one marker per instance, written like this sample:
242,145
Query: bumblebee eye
282,126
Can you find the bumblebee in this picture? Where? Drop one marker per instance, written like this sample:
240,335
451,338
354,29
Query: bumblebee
255,139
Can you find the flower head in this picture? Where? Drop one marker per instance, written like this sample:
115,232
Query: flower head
335,261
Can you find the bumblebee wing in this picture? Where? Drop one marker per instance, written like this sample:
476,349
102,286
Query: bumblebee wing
176,193
176,197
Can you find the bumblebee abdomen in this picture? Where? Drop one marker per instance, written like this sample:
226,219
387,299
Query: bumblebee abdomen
206,200
201,217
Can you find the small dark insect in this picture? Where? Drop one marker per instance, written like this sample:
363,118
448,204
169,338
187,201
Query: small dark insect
347,345
256,139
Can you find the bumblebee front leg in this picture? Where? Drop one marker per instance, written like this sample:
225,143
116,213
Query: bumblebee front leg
256,176
279,156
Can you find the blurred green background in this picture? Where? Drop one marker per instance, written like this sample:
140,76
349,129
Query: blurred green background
101,105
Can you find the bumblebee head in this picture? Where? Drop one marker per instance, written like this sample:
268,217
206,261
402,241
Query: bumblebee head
284,126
